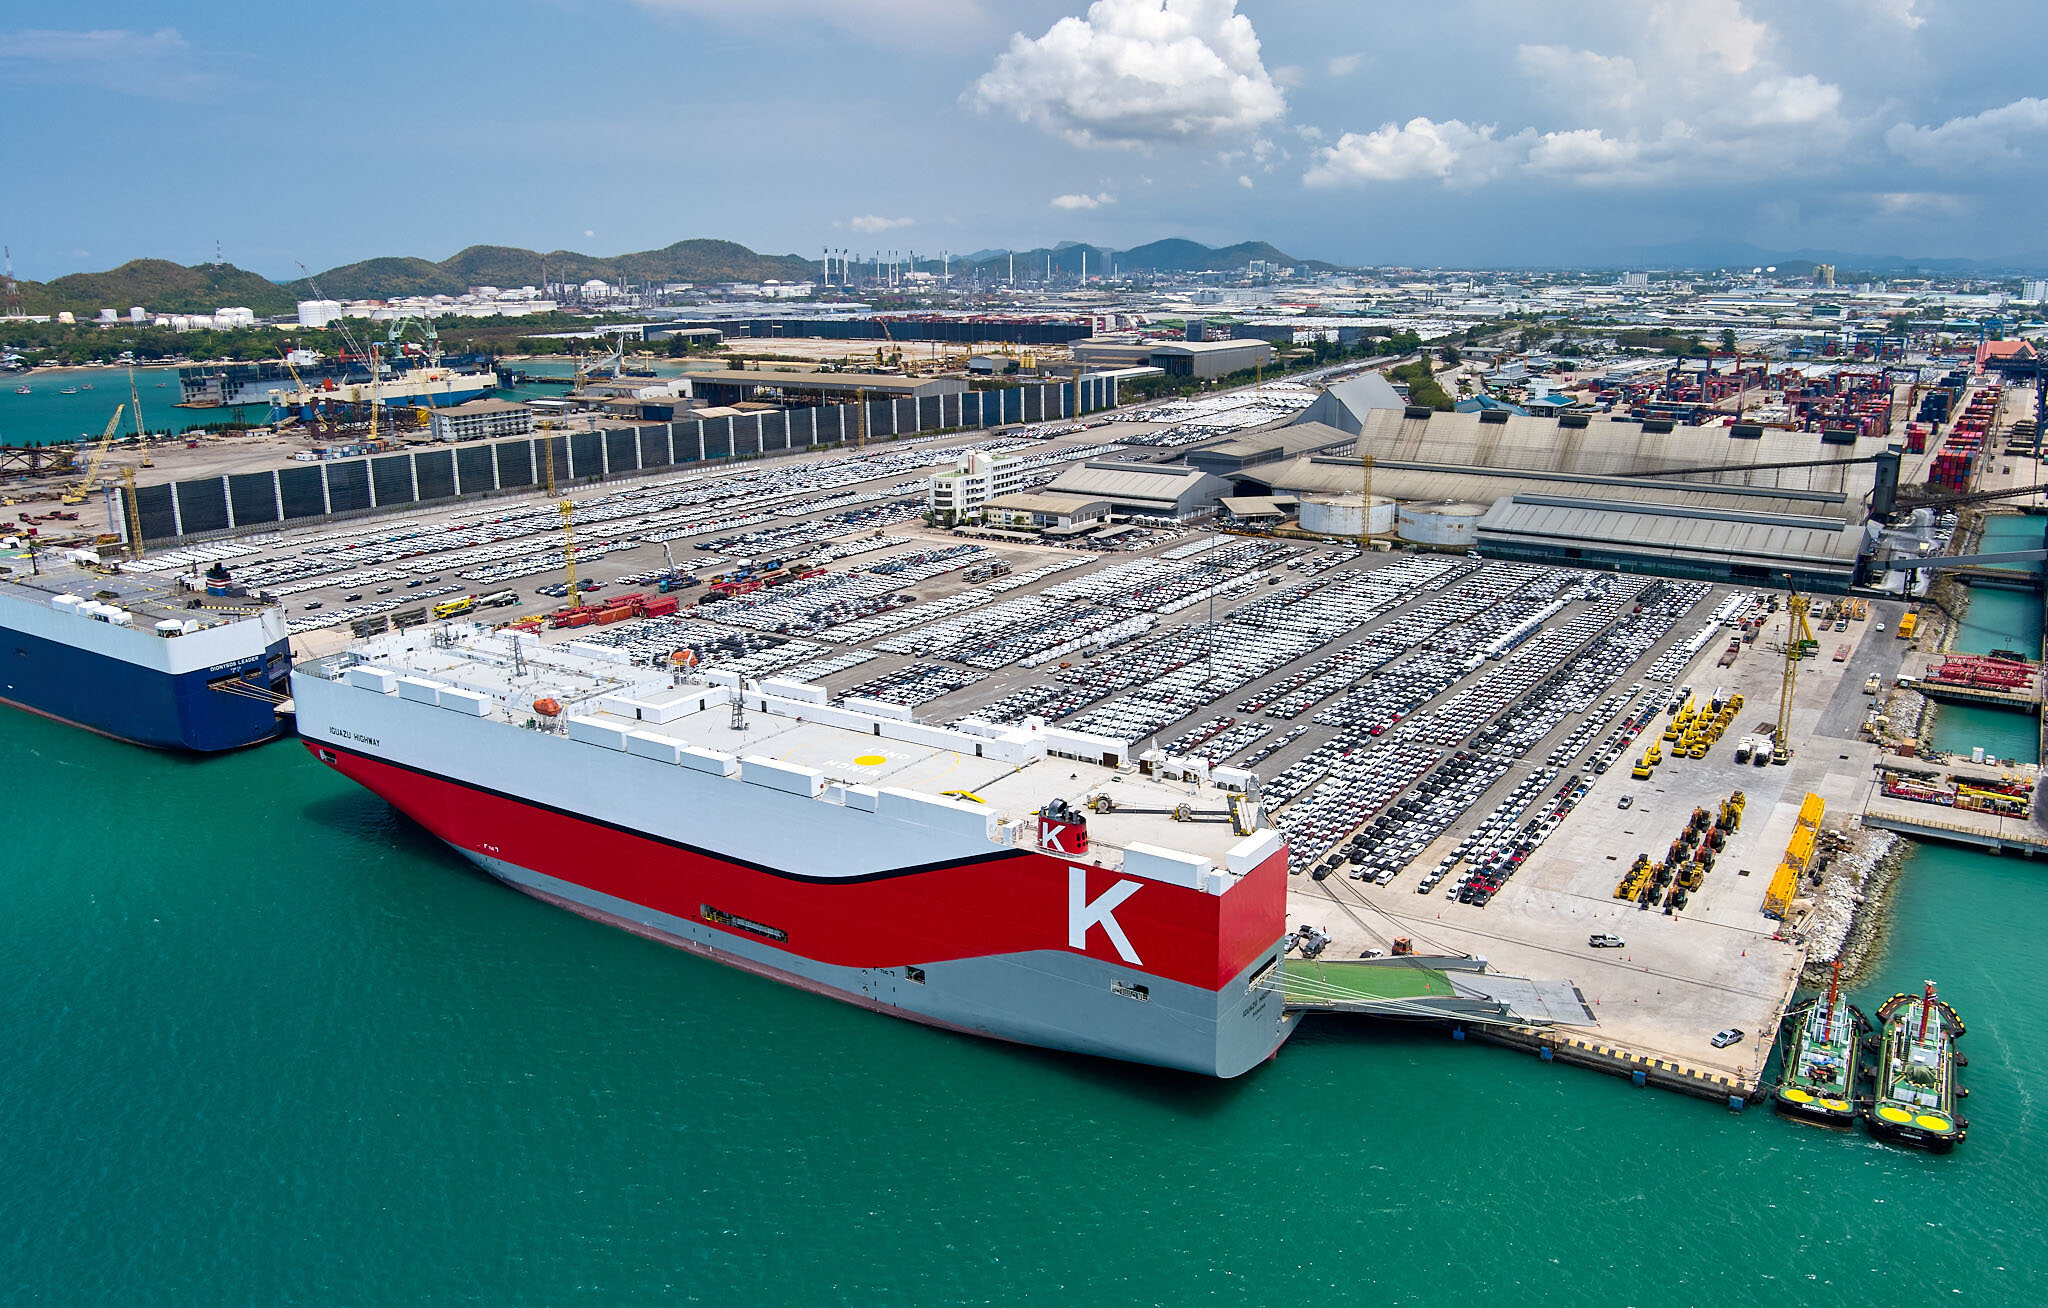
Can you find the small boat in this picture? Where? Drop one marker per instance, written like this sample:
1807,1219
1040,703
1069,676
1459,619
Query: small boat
86,387
23,390
68,390
1916,1095
1818,1084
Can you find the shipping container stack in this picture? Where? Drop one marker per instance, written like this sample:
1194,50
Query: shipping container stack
1957,457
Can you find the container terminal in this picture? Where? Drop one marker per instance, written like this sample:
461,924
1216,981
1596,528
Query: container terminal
1445,706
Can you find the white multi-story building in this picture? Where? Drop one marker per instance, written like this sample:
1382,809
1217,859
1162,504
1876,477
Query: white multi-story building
2034,292
975,478
482,420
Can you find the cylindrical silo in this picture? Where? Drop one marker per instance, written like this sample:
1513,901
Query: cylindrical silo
1346,515
1441,522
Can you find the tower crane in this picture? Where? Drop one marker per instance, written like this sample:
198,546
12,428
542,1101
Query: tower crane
1798,638
77,494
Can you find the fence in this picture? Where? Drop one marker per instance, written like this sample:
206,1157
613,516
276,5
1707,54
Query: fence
307,492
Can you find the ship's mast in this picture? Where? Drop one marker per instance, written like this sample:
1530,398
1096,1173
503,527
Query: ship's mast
1926,1007
1827,1031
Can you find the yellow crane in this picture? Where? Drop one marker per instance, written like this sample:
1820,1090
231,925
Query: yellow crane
77,494
135,413
569,553
1798,636
134,512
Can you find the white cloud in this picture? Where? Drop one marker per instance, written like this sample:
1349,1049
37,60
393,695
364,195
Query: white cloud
155,63
1071,202
1584,79
2011,133
1900,12
1244,181
871,223
1696,91
1137,72
1344,65
1920,204
1451,151
1584,153
1715,32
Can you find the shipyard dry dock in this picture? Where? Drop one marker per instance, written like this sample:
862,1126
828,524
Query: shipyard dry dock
1446,742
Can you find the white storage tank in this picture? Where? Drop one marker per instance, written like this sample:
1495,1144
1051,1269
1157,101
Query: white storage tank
1346,515
1441,522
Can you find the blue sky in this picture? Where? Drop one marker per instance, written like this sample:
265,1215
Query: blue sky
1455,131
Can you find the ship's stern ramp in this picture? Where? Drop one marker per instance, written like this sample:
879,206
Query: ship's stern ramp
1417,988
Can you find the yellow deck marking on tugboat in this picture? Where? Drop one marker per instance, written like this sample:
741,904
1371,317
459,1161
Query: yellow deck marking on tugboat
870,761
1933,1121
1798,1096
1891,1114
1835,1105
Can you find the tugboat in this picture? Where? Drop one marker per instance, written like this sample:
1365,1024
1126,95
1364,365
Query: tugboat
1916,1073
1819,1081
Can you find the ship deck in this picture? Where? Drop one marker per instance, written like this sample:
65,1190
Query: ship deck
1143,806
151,598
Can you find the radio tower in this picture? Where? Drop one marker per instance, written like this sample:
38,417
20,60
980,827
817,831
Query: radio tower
10,294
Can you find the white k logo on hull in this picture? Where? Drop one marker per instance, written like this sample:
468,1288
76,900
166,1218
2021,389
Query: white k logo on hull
1082,914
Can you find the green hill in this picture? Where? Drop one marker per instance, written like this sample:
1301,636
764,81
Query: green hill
160,286
1178,255
1174,254
505,265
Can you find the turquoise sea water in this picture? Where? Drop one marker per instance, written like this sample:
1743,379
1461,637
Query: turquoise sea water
2001,732
2013,531
46,415
2000,618
267,1043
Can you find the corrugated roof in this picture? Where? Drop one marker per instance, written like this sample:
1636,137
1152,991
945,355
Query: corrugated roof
1246,506
1609,448
1046,502
1295,438
1604,526
1128,482
1313,476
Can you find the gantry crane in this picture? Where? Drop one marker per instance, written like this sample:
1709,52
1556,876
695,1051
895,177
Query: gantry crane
77,494
1798,638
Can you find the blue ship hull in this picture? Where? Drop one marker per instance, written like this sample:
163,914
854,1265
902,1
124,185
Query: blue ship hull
141,705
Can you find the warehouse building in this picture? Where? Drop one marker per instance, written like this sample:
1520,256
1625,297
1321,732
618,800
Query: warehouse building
1693,502
1252,449
729,386
1096,352
1043,509
1330,425
1145,489
1345,405
1210,359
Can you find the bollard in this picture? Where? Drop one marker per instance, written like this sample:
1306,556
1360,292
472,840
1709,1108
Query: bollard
1545,1053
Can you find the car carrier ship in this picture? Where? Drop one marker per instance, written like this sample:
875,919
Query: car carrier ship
133,658
1020,882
